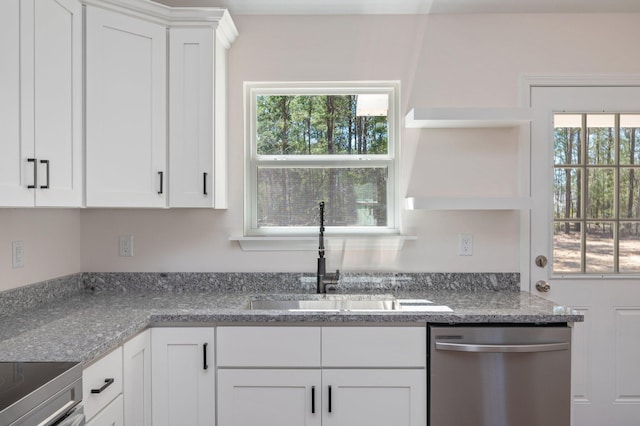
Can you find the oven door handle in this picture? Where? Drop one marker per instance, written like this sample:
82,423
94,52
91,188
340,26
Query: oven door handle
58,412
482,348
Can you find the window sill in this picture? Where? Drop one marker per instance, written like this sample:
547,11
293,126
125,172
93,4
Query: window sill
349,242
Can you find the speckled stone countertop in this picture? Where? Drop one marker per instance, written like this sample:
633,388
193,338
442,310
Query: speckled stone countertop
84,325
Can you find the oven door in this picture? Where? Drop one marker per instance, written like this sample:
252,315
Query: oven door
74,418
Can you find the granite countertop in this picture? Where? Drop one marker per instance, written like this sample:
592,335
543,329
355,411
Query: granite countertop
87,324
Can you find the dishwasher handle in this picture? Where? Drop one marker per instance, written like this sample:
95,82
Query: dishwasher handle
518,348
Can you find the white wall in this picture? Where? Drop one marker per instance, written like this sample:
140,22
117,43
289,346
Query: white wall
51,242
442,60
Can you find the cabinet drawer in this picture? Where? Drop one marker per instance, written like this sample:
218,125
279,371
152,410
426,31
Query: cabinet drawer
95,377
374,346
268,347
110,416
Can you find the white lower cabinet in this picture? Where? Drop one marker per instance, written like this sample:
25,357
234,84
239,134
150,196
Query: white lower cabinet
183,371
282,397
102,390
365,376
378,397
136,368
110,416
269,397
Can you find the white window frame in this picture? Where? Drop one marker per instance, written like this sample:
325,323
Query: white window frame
253,160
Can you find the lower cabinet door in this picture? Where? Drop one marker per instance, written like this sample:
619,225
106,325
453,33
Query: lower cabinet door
269,397
374,397
136,381
183,376
111,415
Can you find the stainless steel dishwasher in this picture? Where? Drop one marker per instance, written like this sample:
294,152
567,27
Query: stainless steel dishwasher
499,376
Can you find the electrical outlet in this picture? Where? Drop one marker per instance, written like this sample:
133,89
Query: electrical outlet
17,257
126,245
465,245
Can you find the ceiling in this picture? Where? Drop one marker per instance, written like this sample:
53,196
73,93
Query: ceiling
348,7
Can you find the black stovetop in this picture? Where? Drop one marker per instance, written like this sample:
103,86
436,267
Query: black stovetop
19,379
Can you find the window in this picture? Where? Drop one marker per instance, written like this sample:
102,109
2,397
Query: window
596,193
312,142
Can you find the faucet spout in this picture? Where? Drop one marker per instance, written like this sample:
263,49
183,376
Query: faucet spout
322,279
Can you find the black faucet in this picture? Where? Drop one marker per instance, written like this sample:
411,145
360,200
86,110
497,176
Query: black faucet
322,278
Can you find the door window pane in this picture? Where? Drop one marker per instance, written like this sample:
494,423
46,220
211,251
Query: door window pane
599,247
567,242
566,187
600,194
629,247
630,139
629,193
567,131
600,139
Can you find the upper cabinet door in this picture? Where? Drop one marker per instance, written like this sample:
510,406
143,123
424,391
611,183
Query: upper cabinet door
58,102
126,141
13,184
191,116
40,106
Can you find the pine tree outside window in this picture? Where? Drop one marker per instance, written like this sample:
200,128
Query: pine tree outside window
312,142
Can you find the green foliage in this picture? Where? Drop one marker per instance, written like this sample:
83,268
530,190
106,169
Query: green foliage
317,125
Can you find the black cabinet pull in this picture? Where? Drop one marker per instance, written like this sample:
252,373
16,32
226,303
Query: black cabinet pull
161,174
329,398
204,183
107,383
46,162
35,173
313,399
204,356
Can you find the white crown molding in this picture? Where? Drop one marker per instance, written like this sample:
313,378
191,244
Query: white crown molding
218,18
527,81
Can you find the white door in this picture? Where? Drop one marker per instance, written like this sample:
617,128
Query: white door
13,153
57,101
126,84
374,397
136,373
269,397
191,116
40,106
183,372
606,347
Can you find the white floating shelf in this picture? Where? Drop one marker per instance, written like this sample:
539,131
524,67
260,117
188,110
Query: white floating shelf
467,203
451,118
343,242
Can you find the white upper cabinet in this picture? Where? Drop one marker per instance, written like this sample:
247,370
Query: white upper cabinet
40,106
126,140
197,113
191,117
141,151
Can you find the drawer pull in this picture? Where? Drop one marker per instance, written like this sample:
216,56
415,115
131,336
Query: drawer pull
107,383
